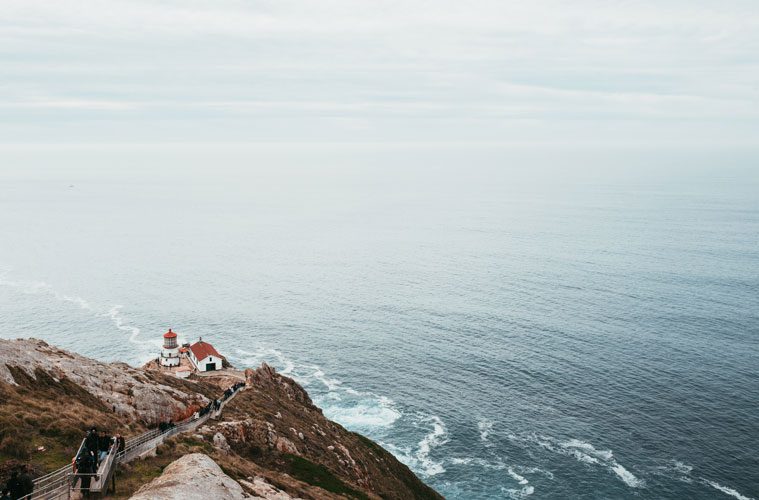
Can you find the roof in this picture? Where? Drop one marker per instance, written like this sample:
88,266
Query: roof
169,335
202,350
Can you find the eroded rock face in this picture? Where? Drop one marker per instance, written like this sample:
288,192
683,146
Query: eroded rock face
260,487
193,477
266,377
124,389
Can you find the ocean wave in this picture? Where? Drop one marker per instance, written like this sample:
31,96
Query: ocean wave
437,437
114,313
533,470
586,453
41,287
676,470
627,477
363,415
478,462
526,489
521,493
418,458
726,490
520,479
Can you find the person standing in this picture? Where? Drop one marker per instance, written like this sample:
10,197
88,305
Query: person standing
14,486
104,445
27,483
86,467
120,442
91,441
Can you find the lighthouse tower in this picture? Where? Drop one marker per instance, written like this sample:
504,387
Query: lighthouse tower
170,351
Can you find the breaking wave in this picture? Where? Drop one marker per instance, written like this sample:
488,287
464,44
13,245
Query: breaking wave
419,458
726,490
586,453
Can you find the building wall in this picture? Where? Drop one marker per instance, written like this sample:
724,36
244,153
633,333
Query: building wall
207,360
169,357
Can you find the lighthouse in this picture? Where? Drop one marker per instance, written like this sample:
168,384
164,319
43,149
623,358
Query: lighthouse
170,351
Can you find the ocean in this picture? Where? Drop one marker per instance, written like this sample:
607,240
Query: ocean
509,322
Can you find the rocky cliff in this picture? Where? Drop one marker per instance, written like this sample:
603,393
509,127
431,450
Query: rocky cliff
271,441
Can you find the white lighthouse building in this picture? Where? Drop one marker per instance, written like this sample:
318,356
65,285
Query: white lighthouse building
170,350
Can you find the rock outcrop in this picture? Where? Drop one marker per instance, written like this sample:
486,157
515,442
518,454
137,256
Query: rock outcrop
193,477
126,390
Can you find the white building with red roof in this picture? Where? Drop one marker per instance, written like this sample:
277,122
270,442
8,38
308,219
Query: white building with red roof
204,356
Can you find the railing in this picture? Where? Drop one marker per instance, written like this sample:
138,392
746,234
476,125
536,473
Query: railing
55,484
60,483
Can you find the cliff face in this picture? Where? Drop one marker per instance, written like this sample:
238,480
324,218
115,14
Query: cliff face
271,441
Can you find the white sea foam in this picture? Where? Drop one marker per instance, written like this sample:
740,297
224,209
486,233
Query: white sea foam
361,415
419,458
589,448
584,452
40,287
726,490
682,468
526,489
676,470
462,461
121,324
438,436
485,427
627,477
533,470
478,462
521,479
520,493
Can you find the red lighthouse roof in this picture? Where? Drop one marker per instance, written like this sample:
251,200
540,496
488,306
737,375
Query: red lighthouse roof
169,335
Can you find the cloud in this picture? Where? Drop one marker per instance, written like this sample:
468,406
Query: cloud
381,68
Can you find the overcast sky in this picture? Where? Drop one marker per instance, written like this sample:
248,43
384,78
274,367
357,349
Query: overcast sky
538,71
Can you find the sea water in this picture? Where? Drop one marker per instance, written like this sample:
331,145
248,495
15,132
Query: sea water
509,323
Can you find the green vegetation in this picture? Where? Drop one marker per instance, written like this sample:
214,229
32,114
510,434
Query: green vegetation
320,476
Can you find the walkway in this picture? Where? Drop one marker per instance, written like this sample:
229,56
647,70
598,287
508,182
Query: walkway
63,483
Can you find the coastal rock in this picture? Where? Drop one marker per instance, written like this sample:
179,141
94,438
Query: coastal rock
123,389
266,377
260,487
193,477
220,442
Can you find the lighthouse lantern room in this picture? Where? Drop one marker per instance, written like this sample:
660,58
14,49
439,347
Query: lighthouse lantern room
170,351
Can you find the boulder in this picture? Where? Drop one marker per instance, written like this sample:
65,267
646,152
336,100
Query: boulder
192,477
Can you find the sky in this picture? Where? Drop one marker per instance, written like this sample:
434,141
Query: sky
519,72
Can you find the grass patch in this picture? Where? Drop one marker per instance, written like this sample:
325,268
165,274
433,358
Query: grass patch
55,414
318,475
